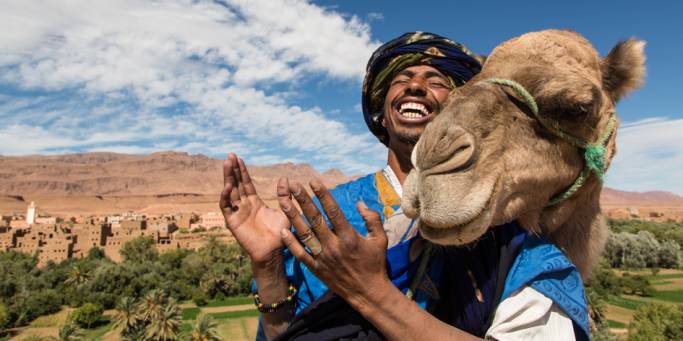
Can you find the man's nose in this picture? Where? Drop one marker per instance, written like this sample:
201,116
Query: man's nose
416,87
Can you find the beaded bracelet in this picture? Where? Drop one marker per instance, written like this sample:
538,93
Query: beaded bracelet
269,308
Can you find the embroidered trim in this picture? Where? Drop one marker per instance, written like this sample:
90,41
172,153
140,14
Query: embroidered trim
393,180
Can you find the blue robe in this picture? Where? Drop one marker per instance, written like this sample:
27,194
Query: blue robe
446,290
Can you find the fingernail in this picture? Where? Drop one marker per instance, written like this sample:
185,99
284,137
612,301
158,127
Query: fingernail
362,204
283,233
285,205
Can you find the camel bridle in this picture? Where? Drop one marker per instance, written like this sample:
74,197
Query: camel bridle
593,153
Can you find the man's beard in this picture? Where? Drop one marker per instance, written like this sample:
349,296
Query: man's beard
407,138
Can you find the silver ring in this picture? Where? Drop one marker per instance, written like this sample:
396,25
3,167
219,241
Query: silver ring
313,243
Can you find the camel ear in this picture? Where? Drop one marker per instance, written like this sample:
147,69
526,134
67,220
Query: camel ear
623,70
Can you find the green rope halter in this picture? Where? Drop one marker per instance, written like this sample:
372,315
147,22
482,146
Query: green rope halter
594,153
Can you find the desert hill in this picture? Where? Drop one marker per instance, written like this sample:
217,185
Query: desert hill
166,182
111,174
617,198
162,182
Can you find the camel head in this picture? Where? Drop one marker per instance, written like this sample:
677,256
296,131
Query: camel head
489,158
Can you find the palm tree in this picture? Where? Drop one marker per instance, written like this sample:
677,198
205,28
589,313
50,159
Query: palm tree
205,329
135,333
151,305
77,275
213,282
68,332
166,325
212,249
126,316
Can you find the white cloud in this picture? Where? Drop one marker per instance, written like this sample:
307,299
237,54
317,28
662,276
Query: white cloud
135,75
649,156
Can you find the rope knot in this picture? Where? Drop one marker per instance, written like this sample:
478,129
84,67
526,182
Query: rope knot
595,159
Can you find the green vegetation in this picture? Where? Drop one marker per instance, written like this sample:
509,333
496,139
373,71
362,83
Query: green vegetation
670,230
205,329
673,296
236,314
229,301
87,315
615,324
657,322
641,298
216,271
190,313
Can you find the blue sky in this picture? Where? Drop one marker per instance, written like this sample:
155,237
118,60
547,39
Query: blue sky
279,80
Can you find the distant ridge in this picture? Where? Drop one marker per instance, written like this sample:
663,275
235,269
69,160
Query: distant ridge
112,174
613,197
162,182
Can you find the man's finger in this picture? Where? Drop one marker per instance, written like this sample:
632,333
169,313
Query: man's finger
234,197
246,179
228,176
311,212
234,161
296,249
373,221
225,203
334,214
287,207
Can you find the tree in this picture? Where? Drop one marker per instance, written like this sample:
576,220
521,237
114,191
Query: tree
87,314
636,285
137,333
654,322
151,306
205,329
139,250
669,254
69,332
77,275
4,316
165,326
96,253
126,317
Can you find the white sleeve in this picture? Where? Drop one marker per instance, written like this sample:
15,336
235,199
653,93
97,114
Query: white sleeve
529,315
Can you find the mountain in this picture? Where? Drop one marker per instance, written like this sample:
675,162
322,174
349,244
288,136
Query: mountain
617,198
167,182
111,174
110,182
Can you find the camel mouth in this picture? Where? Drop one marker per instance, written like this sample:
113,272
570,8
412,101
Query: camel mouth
465,231
460,234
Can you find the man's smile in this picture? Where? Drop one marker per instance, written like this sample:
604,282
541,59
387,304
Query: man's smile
414,111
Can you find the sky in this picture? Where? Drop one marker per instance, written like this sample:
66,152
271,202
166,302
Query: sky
279,80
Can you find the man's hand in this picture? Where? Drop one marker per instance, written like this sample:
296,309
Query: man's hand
255,226
257,229
352,266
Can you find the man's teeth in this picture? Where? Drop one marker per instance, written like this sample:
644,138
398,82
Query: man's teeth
413,110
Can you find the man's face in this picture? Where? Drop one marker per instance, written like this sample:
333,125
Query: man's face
415,96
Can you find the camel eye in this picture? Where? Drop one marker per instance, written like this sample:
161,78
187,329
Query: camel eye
577,110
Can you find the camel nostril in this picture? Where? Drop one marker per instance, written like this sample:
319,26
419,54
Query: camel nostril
451,149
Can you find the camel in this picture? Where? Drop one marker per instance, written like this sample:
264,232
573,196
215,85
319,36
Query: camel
489,158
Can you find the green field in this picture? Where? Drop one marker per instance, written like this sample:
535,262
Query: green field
236,317
668,285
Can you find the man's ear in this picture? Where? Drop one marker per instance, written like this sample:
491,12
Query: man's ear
381,121
623,70
481,58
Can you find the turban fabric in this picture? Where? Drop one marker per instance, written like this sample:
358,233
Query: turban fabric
414,48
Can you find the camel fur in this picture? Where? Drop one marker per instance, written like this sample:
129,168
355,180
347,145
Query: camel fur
485,160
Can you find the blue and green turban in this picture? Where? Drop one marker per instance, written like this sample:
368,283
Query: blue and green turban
413,48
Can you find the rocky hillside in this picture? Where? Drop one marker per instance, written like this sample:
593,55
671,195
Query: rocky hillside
166,182
111,174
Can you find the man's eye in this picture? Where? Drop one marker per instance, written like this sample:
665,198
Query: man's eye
438,85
